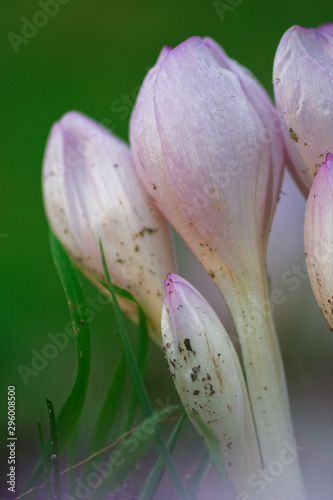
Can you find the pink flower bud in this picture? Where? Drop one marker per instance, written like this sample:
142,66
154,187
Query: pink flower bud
207,147
318,238
91,192
208,377
303,86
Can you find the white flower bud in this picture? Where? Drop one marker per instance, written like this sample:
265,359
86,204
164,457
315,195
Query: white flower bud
91,192
208,377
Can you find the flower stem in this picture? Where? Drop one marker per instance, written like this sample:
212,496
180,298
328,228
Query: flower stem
251,311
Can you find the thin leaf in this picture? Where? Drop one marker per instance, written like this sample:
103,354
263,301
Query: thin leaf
152,482
54,451
191,488
117,466
110,406
158,417
72,458
199,476
72,408
142,356
143,340
142,347
44,459
141,390
119,291
71,411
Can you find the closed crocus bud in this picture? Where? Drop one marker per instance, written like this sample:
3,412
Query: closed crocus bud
318,238
209,379
303,87
206,144
91,193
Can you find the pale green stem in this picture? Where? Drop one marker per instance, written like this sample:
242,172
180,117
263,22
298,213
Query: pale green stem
251,311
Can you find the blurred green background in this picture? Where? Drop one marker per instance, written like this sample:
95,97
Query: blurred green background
92,56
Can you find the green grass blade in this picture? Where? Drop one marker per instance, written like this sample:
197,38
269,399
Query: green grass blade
116,466
142,356
119,291
191,488
44,460
110,407
72,458
199,476
141,390
143,340
54,451
72,408
142,347
152,482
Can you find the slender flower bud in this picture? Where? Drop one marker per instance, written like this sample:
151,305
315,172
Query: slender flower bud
208,377
303,87
91,192
318,238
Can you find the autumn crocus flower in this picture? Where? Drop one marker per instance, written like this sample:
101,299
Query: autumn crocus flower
303,87
91,192
208,377
318,238
208,149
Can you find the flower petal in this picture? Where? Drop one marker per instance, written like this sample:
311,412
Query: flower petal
303,86
318,238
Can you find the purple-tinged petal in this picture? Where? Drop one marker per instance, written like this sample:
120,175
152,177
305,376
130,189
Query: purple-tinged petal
303,86
318,238
326,28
